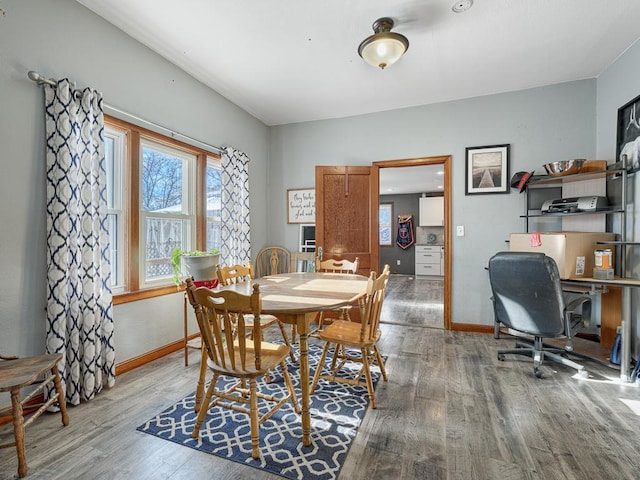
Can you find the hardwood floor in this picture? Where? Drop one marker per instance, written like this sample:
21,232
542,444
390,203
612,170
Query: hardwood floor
414,301
450,410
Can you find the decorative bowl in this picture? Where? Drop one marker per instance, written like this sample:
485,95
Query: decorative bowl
564,167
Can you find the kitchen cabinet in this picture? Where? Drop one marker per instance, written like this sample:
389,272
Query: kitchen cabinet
429,260
431,212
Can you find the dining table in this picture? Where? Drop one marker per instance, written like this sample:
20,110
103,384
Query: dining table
295,299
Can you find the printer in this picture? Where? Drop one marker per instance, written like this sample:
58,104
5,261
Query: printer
575,205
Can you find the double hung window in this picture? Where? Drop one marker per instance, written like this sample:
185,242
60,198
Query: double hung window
162,194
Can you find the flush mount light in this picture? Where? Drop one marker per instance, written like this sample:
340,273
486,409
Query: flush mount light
383,48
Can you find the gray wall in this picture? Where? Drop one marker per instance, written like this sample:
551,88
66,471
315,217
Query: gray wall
542,125
61,38
402,204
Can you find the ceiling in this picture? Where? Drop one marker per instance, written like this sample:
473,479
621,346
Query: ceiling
290,61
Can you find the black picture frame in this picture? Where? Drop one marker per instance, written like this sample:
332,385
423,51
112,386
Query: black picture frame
487,170
628,134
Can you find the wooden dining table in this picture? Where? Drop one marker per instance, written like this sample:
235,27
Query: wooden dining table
295,298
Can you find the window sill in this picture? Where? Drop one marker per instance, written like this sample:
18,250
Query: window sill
143,294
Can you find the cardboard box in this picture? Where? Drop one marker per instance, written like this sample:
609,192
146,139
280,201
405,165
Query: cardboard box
574,252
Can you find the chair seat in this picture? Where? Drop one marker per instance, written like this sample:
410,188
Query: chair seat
346,333
38,373
271,356
24,371
265,320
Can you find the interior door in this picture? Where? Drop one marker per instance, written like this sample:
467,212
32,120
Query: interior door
344,215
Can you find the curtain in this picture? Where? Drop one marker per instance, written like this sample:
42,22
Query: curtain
236,239
79,301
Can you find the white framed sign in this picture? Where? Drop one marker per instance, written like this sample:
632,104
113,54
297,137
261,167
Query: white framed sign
301,205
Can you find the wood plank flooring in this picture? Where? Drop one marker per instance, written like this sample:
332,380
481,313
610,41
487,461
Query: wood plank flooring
422,301
450,410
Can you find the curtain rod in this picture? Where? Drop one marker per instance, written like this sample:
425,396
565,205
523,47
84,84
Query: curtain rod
40,80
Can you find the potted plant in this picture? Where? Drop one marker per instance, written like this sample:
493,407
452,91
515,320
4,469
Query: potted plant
201,265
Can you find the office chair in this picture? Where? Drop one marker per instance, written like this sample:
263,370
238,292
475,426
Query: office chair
528,298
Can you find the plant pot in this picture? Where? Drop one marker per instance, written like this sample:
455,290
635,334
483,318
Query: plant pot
201,267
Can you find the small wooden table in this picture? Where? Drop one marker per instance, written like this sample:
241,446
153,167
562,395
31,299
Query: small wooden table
295,298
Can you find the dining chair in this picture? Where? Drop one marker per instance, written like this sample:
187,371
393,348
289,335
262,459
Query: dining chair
272,260
243,273
217,313
18,373
337,265
364,336
334,266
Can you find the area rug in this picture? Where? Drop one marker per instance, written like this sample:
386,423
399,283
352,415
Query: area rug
337,410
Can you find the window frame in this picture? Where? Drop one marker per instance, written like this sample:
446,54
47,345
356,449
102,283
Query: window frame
134,288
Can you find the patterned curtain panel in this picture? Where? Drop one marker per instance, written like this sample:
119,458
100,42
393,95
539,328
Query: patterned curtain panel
79,303
236,239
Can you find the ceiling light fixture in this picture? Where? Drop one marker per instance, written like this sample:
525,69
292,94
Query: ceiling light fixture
383,48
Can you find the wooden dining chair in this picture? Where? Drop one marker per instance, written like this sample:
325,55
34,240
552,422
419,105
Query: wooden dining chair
334,266
364,336
19,373
217,312
272,261
244,273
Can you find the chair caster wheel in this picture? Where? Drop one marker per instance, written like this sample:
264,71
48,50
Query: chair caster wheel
501,357
537,372
583,374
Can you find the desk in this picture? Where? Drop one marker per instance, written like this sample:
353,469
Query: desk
627,284
295,298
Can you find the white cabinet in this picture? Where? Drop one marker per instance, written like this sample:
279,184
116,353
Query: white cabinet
429,260
431,211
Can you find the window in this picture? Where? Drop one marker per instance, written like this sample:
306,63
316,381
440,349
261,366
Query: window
162,194
214,204
385,217
114,149
167,208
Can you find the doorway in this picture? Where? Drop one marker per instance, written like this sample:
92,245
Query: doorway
424,291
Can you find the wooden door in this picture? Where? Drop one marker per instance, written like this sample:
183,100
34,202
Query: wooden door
344,215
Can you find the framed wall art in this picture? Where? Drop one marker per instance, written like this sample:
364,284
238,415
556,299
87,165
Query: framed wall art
301,205
628,134
487,169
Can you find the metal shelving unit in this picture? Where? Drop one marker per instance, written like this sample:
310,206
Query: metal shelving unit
545,187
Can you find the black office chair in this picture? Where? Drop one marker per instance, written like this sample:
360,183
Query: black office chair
528,298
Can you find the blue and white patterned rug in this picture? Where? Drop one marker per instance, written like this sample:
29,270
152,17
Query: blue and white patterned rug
336,413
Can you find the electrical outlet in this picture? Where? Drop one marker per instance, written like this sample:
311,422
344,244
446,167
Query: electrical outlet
397,262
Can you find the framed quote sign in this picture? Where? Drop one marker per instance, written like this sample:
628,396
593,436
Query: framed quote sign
301,205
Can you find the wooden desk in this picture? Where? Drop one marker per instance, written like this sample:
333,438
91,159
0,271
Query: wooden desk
295,298
626,284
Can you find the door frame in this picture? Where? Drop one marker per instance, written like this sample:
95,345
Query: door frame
445,161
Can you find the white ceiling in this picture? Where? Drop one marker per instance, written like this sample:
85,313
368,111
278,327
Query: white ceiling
289,61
